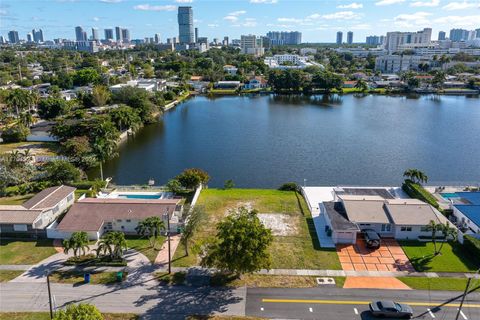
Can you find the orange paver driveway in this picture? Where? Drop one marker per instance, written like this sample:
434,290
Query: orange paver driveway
389,257
375,283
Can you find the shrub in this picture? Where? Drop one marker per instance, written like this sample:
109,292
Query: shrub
229,184
472,246
86,184
16,133
289,186
416,191
81,311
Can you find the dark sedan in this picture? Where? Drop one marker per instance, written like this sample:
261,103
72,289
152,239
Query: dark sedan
390,309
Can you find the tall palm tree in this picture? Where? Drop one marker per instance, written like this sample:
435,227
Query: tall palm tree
151,227
434,228
361,85
416,176
448,232
18,99
78,243
26,118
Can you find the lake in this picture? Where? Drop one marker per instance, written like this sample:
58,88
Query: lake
266,140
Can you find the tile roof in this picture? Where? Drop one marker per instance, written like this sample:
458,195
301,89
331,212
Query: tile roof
48,198
19,216
90,214
338,217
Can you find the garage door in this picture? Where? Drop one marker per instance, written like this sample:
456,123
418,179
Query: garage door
345,236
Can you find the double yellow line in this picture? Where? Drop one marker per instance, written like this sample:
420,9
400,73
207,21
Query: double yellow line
351,302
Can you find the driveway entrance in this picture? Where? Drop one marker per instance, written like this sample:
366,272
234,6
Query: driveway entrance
389,257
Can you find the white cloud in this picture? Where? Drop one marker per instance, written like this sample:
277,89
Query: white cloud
412,19
147,7
361,26
459,21
432,3
212,25
96,19
231,18
264,1
111,1
234,16
294,20
183,1
3,12
341,15
237,13
388,2
460,5
353,5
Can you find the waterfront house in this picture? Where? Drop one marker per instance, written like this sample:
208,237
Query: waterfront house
349,84
99,215
466,210
32,217
232,85
256,82
351,212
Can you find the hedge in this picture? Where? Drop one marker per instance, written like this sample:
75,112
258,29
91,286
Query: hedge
416,191
87,184
472,246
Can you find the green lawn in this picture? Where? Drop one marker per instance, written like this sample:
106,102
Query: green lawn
7,275
46,316
15,200
270,281
38,148
453,258
297,251
143,245
449,284
14,251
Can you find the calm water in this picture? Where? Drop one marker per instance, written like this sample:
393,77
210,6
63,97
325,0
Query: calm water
263,141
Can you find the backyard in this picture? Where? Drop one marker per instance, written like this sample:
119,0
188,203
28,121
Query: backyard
453,257
25,251
15,200
295,244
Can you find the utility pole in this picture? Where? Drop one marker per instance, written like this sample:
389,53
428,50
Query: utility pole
49,294
168,240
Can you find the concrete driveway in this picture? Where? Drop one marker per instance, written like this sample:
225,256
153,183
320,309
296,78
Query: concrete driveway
389,257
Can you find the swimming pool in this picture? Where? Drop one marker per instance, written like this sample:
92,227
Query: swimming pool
449,195
139,196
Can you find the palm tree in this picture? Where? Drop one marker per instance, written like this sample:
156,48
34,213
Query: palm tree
193,220
113,244
19,100
78,243
448,232
26,118
100,95
434,228
416,176
151,227
361,85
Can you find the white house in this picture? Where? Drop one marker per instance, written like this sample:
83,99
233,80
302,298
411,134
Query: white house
33,216
231,70
466,209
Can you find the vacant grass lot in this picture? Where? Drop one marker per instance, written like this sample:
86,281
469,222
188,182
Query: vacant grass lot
37,148
449,284
270,281
13,251
15,200
7,275
142,245
46,316
453,257
297,251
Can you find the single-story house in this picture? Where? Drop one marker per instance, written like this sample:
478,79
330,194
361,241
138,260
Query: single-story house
348,214
32,217
256,82
466,209
99,215
349,84
231,70
227,84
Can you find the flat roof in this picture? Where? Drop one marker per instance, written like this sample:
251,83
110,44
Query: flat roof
413,213
472,197
472,212
366,211
381,192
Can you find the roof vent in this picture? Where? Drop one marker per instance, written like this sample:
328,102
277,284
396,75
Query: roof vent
129,210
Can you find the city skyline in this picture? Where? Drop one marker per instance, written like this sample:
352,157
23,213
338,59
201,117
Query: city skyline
318,21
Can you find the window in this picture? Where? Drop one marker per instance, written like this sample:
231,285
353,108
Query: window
70,198
123,227
406,228
20,227
119,220
55,209
128,220
386,227
424,229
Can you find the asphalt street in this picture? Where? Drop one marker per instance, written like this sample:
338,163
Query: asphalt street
352,304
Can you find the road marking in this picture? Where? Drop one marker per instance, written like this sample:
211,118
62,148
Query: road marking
431,313
350,302
463,315
355,310
310,309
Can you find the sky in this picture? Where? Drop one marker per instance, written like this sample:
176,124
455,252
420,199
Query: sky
318,20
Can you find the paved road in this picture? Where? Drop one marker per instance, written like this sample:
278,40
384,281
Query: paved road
346,304
152,300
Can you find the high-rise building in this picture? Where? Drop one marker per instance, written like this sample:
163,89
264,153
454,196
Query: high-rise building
442,35
251,44
2,40
80,35
339,37
396,39
118,34
196,35
125,35
186,33
29,37
477,33
108,34
95,36
37,35
458,35
13,37
373,40
226,41
158,39
349,37
278,38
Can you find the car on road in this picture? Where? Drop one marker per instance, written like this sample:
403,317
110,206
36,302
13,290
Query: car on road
390,309
371,238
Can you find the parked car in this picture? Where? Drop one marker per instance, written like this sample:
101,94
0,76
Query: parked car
371,238
391,309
